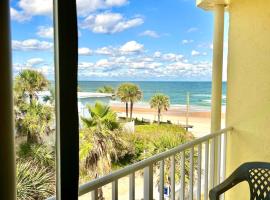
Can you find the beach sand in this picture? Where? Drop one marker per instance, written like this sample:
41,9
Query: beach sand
200,119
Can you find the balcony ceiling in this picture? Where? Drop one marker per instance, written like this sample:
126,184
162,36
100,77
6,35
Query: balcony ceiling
209,4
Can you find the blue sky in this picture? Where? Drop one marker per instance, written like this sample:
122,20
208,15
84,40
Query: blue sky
120,39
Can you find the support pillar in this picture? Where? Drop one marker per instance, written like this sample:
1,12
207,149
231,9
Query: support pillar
216,89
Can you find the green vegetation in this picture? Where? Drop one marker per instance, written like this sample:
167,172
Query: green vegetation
129,93
35,161
160,102
106,89
101,116
34,181
104,145
28,82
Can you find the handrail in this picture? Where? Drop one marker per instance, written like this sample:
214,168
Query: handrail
147,165
99,182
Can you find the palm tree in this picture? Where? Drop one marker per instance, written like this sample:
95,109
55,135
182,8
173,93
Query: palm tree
28,82
122,93
34,121
135,95
129,92
99,141
101,117
160,102
106,89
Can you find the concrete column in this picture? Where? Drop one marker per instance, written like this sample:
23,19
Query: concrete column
216,89
7,155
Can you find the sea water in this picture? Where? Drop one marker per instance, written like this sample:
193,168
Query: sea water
200,92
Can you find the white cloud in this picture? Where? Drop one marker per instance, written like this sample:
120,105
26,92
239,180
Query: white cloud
105,51
109,23
45,32
84,7
131,47
18,15
31,44
34,61
195,53
172,57
192,29
157,54
187,41
85,64
84,51
103,63
150,33
30,8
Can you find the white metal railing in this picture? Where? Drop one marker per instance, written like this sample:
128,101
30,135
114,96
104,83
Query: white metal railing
199,175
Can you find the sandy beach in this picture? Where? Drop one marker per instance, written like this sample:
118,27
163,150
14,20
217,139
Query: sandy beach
199,118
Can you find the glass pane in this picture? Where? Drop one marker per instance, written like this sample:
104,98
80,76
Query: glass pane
33,69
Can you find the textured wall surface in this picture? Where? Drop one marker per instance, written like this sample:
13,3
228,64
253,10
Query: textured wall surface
248,90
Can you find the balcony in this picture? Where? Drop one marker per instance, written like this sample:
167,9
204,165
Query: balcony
200,173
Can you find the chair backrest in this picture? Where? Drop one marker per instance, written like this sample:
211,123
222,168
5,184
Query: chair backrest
257,174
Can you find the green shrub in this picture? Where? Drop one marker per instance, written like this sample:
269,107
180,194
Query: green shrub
33,181
149,140
42,154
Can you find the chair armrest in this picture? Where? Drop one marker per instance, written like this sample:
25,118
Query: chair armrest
236,177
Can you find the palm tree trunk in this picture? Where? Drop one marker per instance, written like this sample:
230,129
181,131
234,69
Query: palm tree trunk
131,109
30,98
126,110
158,116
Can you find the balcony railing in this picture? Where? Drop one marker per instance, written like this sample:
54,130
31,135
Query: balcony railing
199,176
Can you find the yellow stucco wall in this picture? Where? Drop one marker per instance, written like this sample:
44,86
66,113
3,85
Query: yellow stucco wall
248,92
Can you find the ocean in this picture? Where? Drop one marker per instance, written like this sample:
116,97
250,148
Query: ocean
200,92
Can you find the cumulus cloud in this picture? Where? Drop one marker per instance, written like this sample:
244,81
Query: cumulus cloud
195,53
84,51
187,41
192,29
45,32
85,7
30,8
131,47
150,33
31,45
19,16
109,23
85,65
34,61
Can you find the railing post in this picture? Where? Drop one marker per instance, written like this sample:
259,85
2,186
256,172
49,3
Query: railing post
206,170
199,172
115,190
132,186
161,181
148,182
182,191
94,194
172,178
191,153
